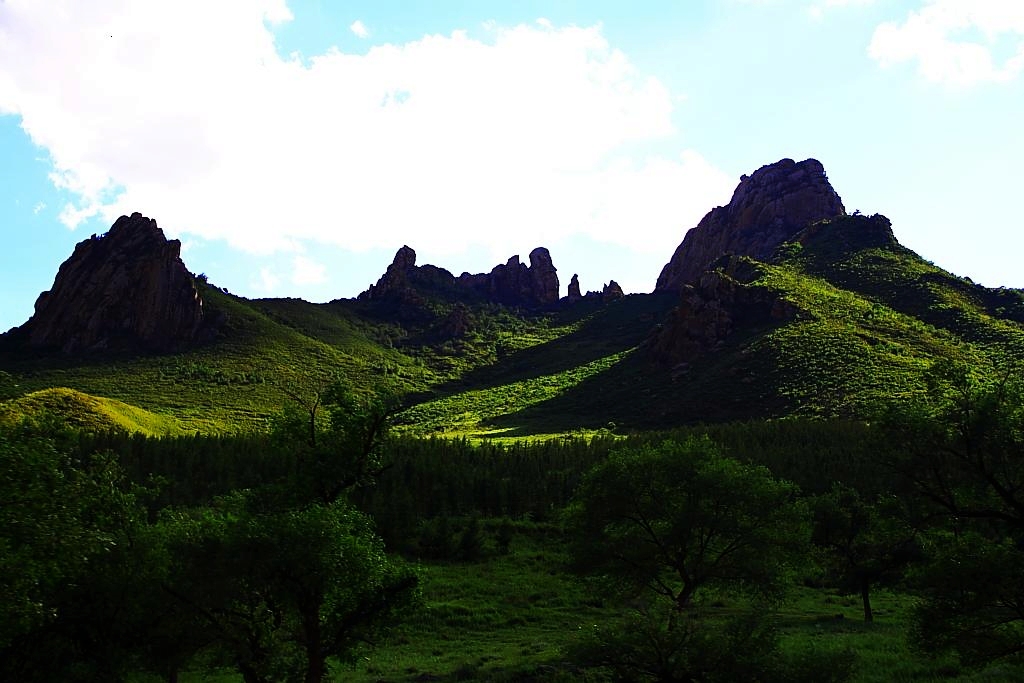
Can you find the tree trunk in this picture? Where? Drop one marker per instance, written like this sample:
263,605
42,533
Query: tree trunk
249,674
865,596
316,661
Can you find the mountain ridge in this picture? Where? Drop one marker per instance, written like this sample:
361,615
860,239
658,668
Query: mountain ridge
799,315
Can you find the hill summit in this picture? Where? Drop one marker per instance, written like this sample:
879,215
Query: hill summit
127,289
768,207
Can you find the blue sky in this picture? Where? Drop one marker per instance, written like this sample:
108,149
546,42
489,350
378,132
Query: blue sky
294,146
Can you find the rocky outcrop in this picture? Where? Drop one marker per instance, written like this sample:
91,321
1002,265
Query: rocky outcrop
396,277
711,308
612,291
768,208
543,277
516,284
574,289
512,283
126,289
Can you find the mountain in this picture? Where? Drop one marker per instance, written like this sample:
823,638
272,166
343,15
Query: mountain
768,208
774,305
127,288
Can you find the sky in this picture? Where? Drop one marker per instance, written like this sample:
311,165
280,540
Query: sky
293,146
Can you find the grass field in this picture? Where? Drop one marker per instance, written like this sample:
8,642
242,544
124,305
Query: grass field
510,617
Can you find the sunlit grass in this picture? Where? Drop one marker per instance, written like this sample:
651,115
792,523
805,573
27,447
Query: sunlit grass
91,413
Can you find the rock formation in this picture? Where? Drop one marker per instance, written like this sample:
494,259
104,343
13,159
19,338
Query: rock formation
712,307
126,289
612,291
512,283
543,277
574,289
768,208
396,277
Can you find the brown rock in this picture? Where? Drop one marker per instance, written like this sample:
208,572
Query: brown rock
543,277
512,283
127,288
768,208
574,289
396,277
710,309
612,291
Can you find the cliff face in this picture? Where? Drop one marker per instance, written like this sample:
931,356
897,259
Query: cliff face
712,307
126,289
769,207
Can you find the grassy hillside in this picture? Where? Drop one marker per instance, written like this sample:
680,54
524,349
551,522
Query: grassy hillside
89,412
871,317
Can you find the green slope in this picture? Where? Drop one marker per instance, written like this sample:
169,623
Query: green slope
871,317
92,413
239,380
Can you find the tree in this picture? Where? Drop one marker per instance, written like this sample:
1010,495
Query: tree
677,518
67,524
667,524
280,591
961,446
337,438
864,543
960,451
973,598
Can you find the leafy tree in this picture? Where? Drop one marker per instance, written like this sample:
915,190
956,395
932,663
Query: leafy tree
864,543
961,447
337,442
280,591
973,604
678,518
960,450
67,525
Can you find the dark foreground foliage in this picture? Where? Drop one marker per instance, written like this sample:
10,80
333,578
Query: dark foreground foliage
265,555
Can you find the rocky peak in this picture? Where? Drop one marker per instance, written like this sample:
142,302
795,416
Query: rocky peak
574,289
768,208
126,289
405,258
516,284
396,277
512,283
543,276
612,291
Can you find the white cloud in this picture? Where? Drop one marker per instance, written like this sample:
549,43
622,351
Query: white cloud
187,113
955,42
306,271
38,207
359,28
